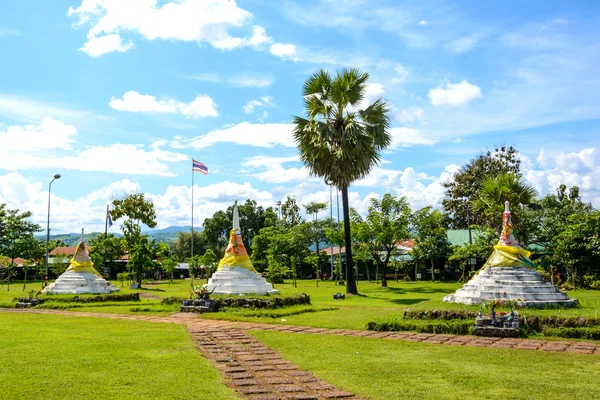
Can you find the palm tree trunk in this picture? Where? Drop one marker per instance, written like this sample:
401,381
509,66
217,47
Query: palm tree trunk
350,281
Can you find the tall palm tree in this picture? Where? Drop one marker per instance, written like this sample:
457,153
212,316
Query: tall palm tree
495,191
340,140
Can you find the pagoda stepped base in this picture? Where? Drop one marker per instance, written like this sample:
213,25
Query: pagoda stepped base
72,282
238,280
522,284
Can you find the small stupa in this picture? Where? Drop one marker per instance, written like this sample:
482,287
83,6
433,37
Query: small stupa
509,274
235,273
81,276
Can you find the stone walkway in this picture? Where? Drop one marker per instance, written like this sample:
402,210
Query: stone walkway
259,373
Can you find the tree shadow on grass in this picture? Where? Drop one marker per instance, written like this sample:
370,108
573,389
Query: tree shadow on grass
425,290
151,289
408,302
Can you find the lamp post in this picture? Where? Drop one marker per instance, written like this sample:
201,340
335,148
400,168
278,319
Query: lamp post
279,212
57,176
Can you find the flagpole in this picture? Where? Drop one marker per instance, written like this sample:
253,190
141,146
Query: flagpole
192,236
106,222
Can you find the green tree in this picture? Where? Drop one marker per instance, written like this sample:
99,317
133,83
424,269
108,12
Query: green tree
180,248
140,259
217,228
290,212
341,137
194,267
465,184
16,238
209,261
138,212
168,265
26,265
335,235
385,227
59,264
493,194
106,249
276,270
431,240
317,230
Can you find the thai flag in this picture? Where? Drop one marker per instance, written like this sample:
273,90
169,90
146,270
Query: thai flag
197,166
110,222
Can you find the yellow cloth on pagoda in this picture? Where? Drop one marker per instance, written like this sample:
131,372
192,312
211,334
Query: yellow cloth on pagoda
235,254
509,256
81,261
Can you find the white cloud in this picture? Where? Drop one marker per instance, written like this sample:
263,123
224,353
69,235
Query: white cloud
580,169
205,21
423,22
454,94
49,134
373,91
408,137
402,74
285,51
30,110
273,170
252,105
241,80
201,106
53,144
244,133
97,46
462,44
410,114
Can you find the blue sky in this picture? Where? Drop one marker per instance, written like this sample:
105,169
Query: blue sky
119,95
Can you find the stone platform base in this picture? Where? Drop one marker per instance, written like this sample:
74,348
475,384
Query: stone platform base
238,280
522,284
72,282
492,331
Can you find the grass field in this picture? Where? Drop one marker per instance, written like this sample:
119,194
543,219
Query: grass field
46,356
384,369
354,312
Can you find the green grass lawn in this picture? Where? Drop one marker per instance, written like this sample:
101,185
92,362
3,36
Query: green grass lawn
386,369
46,356
373,302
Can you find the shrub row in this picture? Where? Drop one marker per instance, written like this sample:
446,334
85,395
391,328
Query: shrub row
277,302
539,324
266,313
94,299
446,327
574,333
437,314
172,300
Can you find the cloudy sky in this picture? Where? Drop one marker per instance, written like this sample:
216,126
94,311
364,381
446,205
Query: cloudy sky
119,95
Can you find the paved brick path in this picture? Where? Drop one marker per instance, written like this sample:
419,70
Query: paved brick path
259,373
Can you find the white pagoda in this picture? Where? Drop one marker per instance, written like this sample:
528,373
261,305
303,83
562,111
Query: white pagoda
235,273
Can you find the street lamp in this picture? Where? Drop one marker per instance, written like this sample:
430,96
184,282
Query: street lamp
57,176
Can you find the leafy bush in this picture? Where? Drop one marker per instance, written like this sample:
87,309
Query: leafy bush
94,299
443,327
574,333
437,314
172,300
269,313
277,302
6,304
591,282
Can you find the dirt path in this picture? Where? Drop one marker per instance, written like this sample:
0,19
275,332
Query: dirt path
257,372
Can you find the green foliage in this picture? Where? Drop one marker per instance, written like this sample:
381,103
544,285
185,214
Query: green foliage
181,247
124,276
103,298
339,141
494,192
450,327
276,271
140,259
574,333
282,244
431,240
59,264
209,261
217,228
168,265
466,183
386,225
138,211
290,212
106,249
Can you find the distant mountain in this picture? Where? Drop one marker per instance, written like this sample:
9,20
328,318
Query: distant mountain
168,234
174,229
